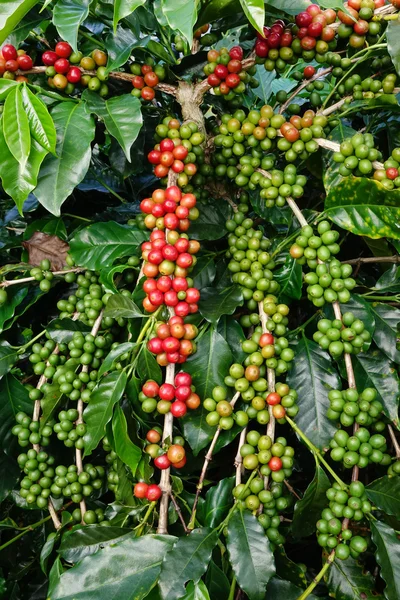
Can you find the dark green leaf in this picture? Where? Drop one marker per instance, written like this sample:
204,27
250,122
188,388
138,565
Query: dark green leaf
12,11
389,281
181,16
10,474
286,568
364,207
100,408
217,582
46,552
278,589
83,541
187,560
373,370
198,433
250,554
127,570
120,45
8,357
50,403
348,581
122,306
128,452
291,7
40,122
16,127
232,332
264,89
147,366
107,277
214,302
387,319
331,175
15,296
54,576
387,556
68,15
313,376
393,43
289,277
14,398
218,501
204,271
385,494
308,510
113,355
211,223
99,245
62,330
123,8
255,13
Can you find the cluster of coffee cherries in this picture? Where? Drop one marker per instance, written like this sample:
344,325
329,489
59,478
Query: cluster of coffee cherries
355,22
12,60
364,88
348,406
281,185
389,176
220,411
352,504
164,457
68,431
275,458
330,282
178,148
173,341
394,469
169,209
274,501
167,397
29,431
360,449
224,71
310,248
338,336
145,79
356,155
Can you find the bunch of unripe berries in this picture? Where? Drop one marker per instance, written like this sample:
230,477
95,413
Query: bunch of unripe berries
167,397
225,71
348,406
364,88
173,341
68,431
281,185
333,534
29,431
221,411
12,60
275,458
169,209
356,155
311,249
389,176
330,282
145,79
359,449
338,336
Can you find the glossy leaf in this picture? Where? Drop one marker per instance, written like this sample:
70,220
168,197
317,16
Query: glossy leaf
16,127
128,452
100,408
100,244
6,85
289,570
187,561
218,501
40,122
347,580
250,554
385,494
127,570
12,11
331,175
387,556
14,398
113,355
50,402
196,591
10,475
215,302
211,222
124,8
68,15
264,90
291,7
15,296
385,335
232,332
62,330
255,13
107,277
389,282
313,376
204,271
120,45
121,115
83,541
8,357
217,582
308,510
181,16
364,207
46,552
148,367
60,174
199,434
278,589
122,306
393,43
373,370
289,277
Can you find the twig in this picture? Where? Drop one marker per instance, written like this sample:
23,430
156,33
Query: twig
395,443
238,457
6,282
179,512
291,490
373,259
165,483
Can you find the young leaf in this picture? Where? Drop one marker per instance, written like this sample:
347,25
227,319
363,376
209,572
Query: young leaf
196,591
122,306
40,122
214,302
68,15
12,11
83,541
385,494
308,510
100,244
393,43
14,398
255,13
113,355
124,8
16,127
250,554
181,16
128,452
62,330
60,174
100,408
387,556
187,561
313,376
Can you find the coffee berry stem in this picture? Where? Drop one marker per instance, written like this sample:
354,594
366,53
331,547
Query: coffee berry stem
21,349
146,517
236,504
6,282
318,577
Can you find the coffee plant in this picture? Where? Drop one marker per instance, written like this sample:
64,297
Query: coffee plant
199,300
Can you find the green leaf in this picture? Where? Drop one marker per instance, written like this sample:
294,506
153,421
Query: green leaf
127,569
217,582
388,557
6,85
124,8
385,494
40,122
107,277
20,180
232,332
121,115
15,296
289,277
211,223
286,568
181,16
389,281
393,43
250,554
14,398
347,580
16,127
83,541
10,475
218,501
215,302
100,244
113,355
313,376
364,207
278,589
187,561
46,552
204,271
120,45
148,367
68,15
122,306
100,408
198,433
385,335
50,403
196,591
291,7
255,13
62,330
128,452
12,11
331,175
60,174
307,511
373,370
8,357
265,79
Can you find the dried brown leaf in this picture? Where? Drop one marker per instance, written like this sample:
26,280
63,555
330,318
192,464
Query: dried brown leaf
41,246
